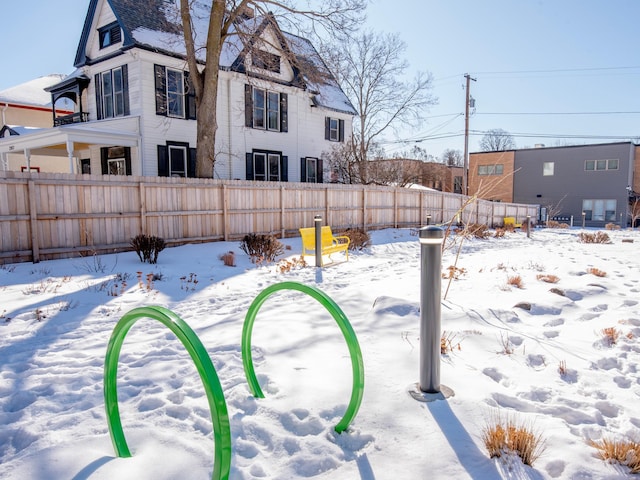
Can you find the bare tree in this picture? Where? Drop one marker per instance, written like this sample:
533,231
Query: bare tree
634,212
497,140
452,158
370,69
224,20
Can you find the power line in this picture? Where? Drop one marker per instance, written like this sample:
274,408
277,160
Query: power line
558,113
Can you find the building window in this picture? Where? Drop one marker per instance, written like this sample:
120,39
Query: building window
547,169
311,170
109,35
175,94
176,159
267,166
116,160
112,93
490,169
457,184
266,61
265,110
599,210
609,164
333,129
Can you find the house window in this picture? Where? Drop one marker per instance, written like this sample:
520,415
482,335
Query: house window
265,110
109,35
490,169
311,170
266,61
609,164
175,94
267,166
112,93
116,160
547,169
599,210
333,129
176,159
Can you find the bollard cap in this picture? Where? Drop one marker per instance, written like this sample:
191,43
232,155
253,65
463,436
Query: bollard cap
431,234
317,218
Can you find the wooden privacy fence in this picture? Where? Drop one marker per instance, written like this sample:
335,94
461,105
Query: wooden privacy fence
46,216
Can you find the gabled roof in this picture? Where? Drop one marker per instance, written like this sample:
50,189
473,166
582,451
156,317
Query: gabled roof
31,93
152,25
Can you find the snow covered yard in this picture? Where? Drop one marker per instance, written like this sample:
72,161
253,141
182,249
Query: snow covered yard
547,361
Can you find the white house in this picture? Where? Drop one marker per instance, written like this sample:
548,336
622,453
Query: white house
135,113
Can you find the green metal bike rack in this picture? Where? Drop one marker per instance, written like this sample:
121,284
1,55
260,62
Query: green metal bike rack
339,316
215,395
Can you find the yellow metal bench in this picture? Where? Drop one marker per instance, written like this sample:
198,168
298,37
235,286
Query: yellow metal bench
330,243
511,222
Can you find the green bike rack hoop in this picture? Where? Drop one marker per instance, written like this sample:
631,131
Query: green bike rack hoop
342,321
215,395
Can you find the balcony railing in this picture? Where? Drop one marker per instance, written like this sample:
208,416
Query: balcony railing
77,117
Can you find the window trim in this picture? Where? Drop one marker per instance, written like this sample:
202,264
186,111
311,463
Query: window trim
257,112
175,98
331,132
595,209
317,169
493,169
281,161
546,171
115,102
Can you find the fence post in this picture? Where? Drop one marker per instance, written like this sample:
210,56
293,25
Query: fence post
317,222
33,221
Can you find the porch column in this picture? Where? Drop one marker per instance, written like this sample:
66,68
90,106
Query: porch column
5,161
70,153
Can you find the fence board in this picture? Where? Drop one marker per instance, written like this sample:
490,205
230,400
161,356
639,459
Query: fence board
45,216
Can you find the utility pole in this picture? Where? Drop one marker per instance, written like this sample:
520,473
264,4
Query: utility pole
465,173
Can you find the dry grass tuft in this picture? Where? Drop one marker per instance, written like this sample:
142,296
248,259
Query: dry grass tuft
596,271
562,368
448,343
612,226
510,437
515,281
611,335
543,277
454,272
625,452
555,224
229,259
598,237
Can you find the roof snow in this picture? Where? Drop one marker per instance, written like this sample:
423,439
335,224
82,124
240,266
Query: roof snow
31,92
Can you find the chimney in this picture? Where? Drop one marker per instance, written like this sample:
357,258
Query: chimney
539,145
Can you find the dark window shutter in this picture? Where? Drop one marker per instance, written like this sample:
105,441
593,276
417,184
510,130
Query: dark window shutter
104,157
319,177
284,168
161,89
284,118
249,159
191,166
248,106
98,86
125,86
127,160
303,169
327,128
341,130
163,161
190,102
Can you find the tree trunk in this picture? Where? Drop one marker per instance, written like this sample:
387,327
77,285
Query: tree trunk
207,124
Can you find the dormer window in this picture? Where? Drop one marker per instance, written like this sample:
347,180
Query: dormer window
109,35
266,61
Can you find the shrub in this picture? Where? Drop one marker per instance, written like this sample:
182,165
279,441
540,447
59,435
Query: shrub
610,335
508,437
554,224
597,272
261,248
598,237
625,452
229,259
475,230
448,343
612,226
515,281
148,247
547,278
358,238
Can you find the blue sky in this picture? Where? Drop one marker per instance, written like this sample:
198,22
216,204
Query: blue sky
552,68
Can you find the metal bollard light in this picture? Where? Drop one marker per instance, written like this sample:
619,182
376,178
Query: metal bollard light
431,238
317,222
528,226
